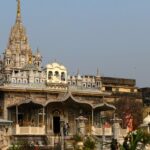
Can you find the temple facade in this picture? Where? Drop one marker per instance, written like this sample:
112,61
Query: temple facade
37,99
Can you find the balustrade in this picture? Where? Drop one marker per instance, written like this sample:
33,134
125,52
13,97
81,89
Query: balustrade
29,130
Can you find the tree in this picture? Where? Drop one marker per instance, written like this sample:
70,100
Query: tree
126,106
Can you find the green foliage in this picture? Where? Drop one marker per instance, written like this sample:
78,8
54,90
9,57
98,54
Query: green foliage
89,144
77,138
22,145
132,106
137,137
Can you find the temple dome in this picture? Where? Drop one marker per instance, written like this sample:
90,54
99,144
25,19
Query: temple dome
56,65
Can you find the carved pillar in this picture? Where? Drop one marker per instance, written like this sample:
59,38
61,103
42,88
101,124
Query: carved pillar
92,117
16,114
43,113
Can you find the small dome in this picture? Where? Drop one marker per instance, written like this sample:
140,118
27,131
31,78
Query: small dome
56,65
73,78
147,119
38,55
79,77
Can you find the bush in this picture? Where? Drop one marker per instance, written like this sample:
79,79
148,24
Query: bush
89,144
137,139
77,138
22,145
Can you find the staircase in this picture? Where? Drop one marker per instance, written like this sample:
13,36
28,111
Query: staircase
55,142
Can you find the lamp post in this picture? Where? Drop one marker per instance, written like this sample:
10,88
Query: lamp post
116,127
81,125
103,130
62,134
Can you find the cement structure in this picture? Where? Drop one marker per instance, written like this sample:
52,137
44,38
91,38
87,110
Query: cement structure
37,99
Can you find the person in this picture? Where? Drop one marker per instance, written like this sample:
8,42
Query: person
125,143
114,144
36,147
129,122
67,128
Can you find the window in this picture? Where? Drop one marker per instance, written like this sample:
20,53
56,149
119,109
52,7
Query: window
63,76
84,84
14,80
108,88
89,85
93,85
38,63
25,81
19,81
98,83
36,80
50,74
8,61
56,73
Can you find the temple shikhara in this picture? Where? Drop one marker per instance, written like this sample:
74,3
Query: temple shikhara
38,100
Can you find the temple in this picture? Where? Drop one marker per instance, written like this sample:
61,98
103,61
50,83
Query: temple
37,99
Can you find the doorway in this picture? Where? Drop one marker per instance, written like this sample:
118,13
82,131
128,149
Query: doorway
56,124
20,119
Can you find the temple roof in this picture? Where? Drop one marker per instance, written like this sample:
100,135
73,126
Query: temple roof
29,67
18,40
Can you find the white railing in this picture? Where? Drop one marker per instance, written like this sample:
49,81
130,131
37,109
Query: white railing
29,130
101,131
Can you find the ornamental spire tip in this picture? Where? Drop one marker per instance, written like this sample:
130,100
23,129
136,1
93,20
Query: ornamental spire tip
18,18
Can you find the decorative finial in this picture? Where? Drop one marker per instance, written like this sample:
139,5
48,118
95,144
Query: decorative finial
97,72
78,71
30,59
37,50
18,18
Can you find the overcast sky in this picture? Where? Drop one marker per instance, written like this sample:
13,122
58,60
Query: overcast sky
112,35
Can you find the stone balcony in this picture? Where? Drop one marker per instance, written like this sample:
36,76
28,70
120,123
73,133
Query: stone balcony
29,130
100,131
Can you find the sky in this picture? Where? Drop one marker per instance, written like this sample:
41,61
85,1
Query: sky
112,35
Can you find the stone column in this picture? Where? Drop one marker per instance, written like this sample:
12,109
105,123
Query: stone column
43,114
92,117
16,114
116,130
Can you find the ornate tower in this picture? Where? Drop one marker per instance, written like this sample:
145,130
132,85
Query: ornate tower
37,59
18,52
98,79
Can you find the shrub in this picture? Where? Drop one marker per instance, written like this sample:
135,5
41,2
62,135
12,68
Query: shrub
89,144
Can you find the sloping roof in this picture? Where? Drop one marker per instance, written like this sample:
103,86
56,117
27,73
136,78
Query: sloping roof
105,107
3,121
